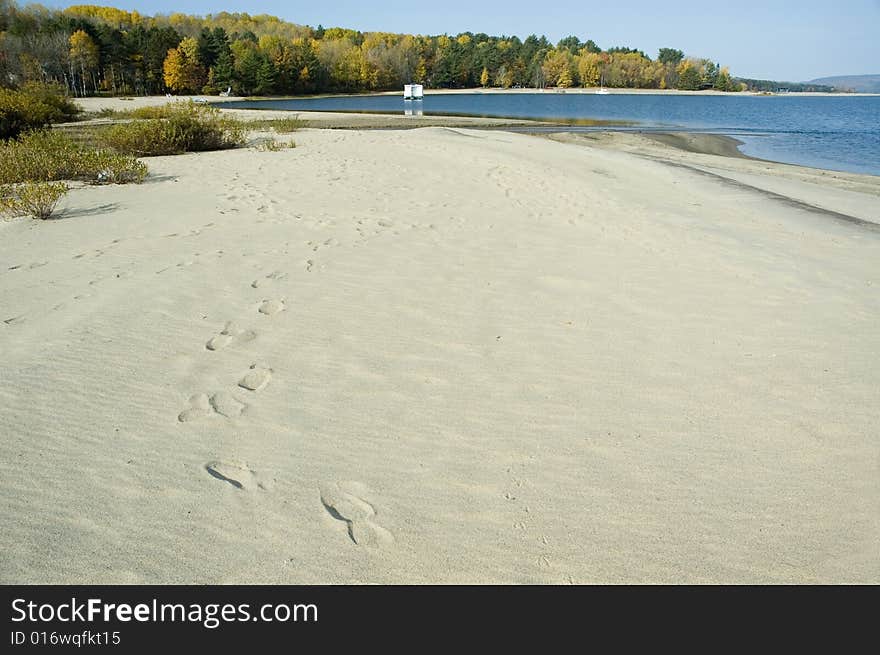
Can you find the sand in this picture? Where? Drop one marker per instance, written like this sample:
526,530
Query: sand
445,355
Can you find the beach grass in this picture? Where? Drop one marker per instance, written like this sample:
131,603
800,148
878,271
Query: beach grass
50,155
34,199
279,125
175,128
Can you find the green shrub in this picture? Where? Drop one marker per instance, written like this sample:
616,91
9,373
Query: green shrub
19,112
32,107
46,156
35,199
273,145
55,97
176,128
154,111
288,125
279,125
108,167
268,145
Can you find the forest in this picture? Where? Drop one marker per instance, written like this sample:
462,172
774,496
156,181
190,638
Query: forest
94,50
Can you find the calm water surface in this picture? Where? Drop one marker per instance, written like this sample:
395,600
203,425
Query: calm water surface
833,132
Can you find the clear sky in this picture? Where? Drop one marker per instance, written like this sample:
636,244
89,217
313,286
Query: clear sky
791,40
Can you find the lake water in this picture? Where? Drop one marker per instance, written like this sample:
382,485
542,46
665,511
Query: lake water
833,132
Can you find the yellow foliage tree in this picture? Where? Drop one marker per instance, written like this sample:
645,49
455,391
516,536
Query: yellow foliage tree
84,56
484,77
564,80
172,69
181,69
421,70
557,66
588,66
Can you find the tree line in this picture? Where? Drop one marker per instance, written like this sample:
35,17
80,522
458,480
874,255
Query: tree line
794,87
93,50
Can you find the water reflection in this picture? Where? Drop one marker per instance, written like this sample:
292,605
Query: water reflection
409,111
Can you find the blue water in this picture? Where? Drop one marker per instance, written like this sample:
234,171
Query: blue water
833,132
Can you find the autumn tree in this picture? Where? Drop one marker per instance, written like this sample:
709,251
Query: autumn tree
589,67
182,71
558,68
83,60
689,76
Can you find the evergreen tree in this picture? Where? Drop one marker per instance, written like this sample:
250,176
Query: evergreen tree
224,71
265,79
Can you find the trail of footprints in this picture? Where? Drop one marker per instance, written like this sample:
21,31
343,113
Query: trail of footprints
224,403
344,502
230,335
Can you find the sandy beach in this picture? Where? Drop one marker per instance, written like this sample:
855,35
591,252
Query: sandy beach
445,355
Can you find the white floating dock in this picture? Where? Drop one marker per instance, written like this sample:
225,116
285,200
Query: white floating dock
413,92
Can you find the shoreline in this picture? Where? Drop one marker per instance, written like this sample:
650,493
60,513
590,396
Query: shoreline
703,143
695,142
572,90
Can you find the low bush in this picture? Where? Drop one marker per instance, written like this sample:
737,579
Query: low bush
32,107
19,112
35,199
54,96
288,125
176,128
279,125
269,145
273,145
47,156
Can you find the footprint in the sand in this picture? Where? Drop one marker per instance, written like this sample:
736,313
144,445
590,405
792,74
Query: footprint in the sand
274,276
315,246
230,335
238,475
225,404
344,503
270,307
256,379
202,406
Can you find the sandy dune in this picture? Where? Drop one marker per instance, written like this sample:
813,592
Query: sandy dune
442,355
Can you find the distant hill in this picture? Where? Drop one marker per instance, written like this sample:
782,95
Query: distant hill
857,83
776,85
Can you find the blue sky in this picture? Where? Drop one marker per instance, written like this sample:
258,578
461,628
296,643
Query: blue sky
792,41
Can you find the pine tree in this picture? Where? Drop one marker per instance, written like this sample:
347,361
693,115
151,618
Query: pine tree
265,78
224,71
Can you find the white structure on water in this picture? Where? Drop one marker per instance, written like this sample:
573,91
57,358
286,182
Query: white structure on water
413,92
